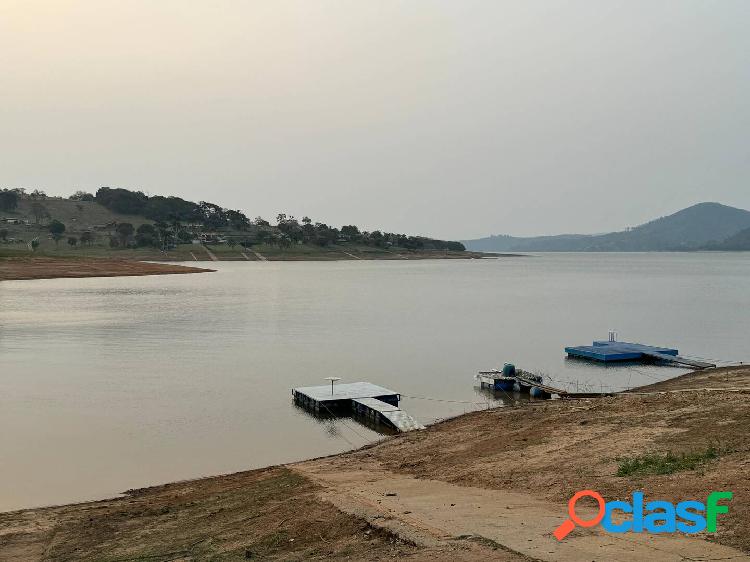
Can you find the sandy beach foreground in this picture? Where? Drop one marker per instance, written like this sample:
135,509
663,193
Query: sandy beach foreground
487,485
52,268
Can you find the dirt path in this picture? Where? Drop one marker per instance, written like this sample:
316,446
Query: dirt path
434,513
260,256
211,255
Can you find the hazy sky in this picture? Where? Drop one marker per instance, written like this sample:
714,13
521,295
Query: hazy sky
447,118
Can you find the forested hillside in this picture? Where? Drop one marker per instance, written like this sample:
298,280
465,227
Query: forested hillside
115,219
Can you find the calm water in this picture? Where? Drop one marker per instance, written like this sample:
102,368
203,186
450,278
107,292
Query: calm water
109,384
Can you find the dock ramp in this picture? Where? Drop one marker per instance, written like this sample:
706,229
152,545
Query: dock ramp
678,360
544,387
612,351
382,412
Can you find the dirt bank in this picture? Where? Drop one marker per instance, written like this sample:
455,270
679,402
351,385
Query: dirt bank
52,268
222,252
487,485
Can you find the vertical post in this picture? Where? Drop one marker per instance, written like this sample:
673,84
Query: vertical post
333,380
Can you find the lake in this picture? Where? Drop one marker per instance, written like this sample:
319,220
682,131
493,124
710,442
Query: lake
115,383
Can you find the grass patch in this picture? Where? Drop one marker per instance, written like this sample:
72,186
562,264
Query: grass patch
665,463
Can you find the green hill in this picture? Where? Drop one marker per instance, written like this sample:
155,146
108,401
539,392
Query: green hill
694,228
736,242
130,224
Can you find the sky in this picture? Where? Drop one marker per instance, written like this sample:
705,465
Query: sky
453,119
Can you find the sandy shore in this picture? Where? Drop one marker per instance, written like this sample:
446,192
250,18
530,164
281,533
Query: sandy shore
490,485
52,268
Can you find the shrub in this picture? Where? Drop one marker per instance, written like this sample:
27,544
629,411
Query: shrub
664,463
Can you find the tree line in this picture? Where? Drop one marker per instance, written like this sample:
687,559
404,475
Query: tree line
172,211
177,220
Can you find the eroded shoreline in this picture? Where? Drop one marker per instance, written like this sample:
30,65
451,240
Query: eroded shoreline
434,494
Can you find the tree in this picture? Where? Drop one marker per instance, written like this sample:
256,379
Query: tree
122,200
4,234
158,208
350,232
213,215
184,237
87,238
165,234
8,199
238,220
324,234
81,196
377,238
124,232
72,241
57,229
39,211
146,235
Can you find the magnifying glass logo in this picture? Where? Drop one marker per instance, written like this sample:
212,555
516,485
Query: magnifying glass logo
569,524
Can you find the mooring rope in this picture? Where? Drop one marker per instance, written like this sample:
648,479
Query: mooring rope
444,400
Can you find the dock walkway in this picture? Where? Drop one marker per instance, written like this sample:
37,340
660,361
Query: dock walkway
382,411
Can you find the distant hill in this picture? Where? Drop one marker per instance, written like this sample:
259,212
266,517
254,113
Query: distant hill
702,226
736,242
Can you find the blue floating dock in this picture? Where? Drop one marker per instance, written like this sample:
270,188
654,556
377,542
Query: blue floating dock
614,351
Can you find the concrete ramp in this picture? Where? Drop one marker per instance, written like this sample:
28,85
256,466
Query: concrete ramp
433,512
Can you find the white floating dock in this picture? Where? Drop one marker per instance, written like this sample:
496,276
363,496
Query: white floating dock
347,391
373,402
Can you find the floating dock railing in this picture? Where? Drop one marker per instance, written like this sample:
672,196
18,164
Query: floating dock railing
376,404
519,381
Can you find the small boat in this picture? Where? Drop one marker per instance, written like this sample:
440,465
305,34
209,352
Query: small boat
509,379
